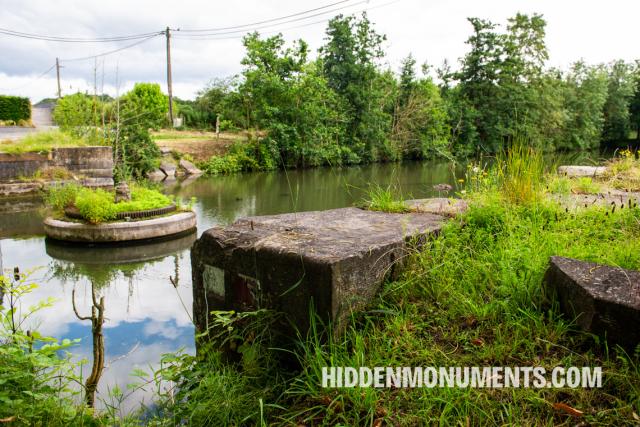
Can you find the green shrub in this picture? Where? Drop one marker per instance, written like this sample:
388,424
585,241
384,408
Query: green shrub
98,205
135,152
62,196
14,108
145,105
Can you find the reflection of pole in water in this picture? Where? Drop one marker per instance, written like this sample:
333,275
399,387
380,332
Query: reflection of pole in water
97,320
175,279
129,294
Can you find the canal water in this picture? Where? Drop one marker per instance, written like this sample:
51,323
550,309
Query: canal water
147,288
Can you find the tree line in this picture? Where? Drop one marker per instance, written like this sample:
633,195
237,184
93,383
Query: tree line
345,108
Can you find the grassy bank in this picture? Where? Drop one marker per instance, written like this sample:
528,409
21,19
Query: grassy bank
471,297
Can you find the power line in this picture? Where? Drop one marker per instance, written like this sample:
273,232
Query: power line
268,20
238,28
73,39
260,27
41,75
84,58
321,21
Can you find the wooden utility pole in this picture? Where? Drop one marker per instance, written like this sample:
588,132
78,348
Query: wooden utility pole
169,85
58,74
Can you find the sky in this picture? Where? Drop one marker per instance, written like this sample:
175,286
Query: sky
432,30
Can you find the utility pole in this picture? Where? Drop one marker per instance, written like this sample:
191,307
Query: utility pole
169,85
58,74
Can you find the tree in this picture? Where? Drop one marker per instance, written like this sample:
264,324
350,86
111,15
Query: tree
420,122
634,103
289,99
145,105
620,92
584,95
349,59
499,82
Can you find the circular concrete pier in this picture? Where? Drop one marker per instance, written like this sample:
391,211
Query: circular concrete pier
120,231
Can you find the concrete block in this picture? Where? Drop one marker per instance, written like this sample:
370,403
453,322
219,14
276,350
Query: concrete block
332,261
603,300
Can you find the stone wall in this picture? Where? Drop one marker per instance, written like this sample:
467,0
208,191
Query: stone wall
90,166
17,166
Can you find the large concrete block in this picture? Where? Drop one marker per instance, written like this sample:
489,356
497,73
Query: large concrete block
330,261
603,300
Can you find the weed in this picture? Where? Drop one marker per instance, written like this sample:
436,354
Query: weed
385,200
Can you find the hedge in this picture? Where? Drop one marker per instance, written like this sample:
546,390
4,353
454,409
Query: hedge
14,108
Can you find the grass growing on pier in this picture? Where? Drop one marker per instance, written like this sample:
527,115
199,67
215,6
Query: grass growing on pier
385,200
41,142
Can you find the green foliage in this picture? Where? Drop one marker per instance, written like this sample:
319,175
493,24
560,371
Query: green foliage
349,62
145,105
62,196
75,111
14,108
241,158
36,372
135,152
42,142
98,205
621,89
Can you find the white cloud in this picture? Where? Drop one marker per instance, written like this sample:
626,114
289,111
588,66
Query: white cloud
432,30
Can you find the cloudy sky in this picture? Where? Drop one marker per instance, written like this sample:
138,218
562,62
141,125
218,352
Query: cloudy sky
431,29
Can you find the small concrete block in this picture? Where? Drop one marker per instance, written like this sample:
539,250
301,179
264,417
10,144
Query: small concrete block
604,300
578,171
438,206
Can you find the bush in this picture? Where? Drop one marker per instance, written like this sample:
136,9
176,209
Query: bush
75,111
145,105
135,152
14,108
241,158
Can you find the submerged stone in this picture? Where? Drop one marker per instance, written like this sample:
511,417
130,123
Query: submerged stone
604,300
331,262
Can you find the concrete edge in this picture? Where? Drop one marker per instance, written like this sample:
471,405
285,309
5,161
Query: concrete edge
120,231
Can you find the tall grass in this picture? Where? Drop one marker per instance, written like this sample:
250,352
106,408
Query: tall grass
520,170
385,199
